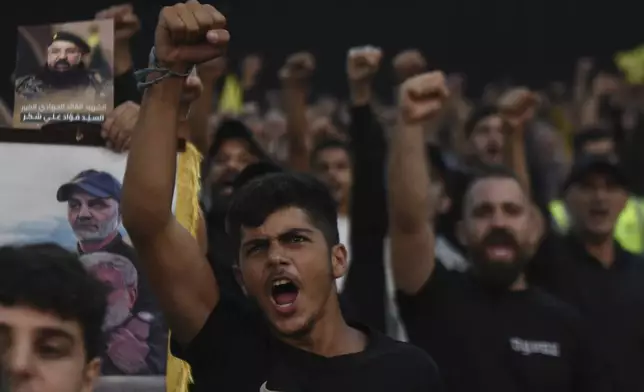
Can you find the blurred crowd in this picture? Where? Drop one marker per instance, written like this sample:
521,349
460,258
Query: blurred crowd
502,234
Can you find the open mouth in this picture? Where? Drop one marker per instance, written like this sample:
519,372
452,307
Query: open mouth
599,213
499,252
284,292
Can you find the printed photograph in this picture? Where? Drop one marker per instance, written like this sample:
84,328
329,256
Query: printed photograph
71,196
64,73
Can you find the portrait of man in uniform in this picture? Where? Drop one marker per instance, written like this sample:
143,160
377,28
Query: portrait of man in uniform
64,73
65,69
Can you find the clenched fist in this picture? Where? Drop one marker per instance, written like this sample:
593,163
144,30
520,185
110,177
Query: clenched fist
126,23
518,106
189,33
363,63
298,68
421,97
409,63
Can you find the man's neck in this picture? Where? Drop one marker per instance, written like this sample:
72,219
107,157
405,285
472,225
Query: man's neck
93,246
603,251
343,208
331,336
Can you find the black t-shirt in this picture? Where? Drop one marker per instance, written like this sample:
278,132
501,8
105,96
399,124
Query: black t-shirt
235,351
524,341
611,300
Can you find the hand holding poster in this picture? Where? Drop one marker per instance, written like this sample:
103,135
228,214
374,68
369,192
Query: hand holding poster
64,73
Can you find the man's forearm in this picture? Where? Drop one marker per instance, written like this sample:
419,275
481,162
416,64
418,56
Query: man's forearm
409,186
296,127
149,179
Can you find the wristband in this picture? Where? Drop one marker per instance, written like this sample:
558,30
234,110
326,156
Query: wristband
142,74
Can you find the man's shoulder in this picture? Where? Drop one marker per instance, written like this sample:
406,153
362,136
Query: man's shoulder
391,350
555,308
405,361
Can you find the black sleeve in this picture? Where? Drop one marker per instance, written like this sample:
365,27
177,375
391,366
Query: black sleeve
233,337
125,89
417,311
364,291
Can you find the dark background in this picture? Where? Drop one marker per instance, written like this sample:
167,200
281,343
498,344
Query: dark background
532,41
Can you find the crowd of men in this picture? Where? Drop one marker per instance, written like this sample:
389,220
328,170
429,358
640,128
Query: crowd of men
439,244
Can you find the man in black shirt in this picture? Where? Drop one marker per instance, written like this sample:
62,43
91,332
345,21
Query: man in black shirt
291,335
487,329
590,270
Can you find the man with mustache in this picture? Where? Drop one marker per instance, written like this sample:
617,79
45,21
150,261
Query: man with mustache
93,210
232,150
590,269
64,69
331,163
487,329
136,342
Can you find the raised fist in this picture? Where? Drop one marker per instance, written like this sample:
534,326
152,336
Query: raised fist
126,23
409,63
421,97
189,33
518,106
363,63
298,68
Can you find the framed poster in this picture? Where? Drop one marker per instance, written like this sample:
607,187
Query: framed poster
63,83
71,196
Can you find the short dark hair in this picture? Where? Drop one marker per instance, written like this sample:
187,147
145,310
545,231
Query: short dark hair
326,144
263,196
48,278
484,172
477,115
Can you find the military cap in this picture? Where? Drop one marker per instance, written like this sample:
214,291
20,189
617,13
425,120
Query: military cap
73,38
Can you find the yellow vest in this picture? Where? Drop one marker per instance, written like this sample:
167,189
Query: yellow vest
629,230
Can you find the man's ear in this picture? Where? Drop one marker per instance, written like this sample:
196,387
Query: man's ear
339,261
239,278
91,374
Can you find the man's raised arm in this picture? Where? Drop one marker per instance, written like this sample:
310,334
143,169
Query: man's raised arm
410,200
187,34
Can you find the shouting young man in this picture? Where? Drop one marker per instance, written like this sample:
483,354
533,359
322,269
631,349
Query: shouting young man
293,336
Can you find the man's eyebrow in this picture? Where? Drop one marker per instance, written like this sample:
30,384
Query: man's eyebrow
292,231
52,332
296,230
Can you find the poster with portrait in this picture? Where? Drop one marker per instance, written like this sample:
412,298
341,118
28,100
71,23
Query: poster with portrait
70,195
64,73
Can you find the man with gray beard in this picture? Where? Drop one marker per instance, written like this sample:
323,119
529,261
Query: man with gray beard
136,342
93,210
